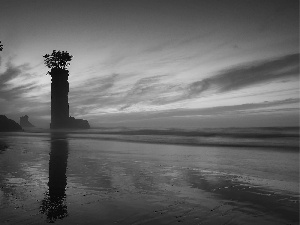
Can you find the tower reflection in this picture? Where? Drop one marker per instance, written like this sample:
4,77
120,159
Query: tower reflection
54,202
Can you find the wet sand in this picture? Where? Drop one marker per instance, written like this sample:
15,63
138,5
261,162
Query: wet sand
62,179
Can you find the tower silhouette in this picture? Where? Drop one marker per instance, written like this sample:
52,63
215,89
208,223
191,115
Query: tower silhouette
59,98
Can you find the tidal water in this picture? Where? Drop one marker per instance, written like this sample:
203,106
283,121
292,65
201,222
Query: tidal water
131,177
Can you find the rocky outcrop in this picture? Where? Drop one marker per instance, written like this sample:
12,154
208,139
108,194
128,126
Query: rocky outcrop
78,123
60,104
24,122
59,98
8,125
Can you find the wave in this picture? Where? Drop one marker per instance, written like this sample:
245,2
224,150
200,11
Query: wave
268,137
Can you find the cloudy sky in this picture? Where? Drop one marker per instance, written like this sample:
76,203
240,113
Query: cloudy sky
164,63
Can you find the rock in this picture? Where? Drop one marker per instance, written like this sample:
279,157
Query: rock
24,121
60,104
78,123
8,125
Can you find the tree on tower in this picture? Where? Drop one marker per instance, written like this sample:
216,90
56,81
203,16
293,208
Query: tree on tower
58,60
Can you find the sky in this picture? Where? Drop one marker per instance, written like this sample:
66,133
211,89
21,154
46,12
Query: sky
158,64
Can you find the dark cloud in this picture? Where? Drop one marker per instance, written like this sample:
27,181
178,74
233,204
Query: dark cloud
9,74
247,75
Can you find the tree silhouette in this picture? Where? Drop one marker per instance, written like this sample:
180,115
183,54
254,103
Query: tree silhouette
1,46
58,60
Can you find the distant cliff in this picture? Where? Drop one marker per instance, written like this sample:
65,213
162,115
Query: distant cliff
8,125
24,122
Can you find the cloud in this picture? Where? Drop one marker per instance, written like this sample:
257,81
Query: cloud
142,90
7,92
232,111
247,75
151,90
102,84
98,94
155,91
234,108
116,92
92,90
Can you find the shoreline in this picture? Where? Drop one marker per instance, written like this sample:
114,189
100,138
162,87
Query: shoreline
170,139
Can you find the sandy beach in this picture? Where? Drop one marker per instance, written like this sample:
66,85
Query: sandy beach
64,179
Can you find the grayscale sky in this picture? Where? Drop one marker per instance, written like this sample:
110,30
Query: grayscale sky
149,63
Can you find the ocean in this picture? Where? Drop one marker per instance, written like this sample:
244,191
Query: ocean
143,176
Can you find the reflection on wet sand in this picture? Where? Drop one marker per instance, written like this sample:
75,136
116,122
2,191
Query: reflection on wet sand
54,203
237,194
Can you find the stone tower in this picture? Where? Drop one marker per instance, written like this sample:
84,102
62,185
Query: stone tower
59,98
